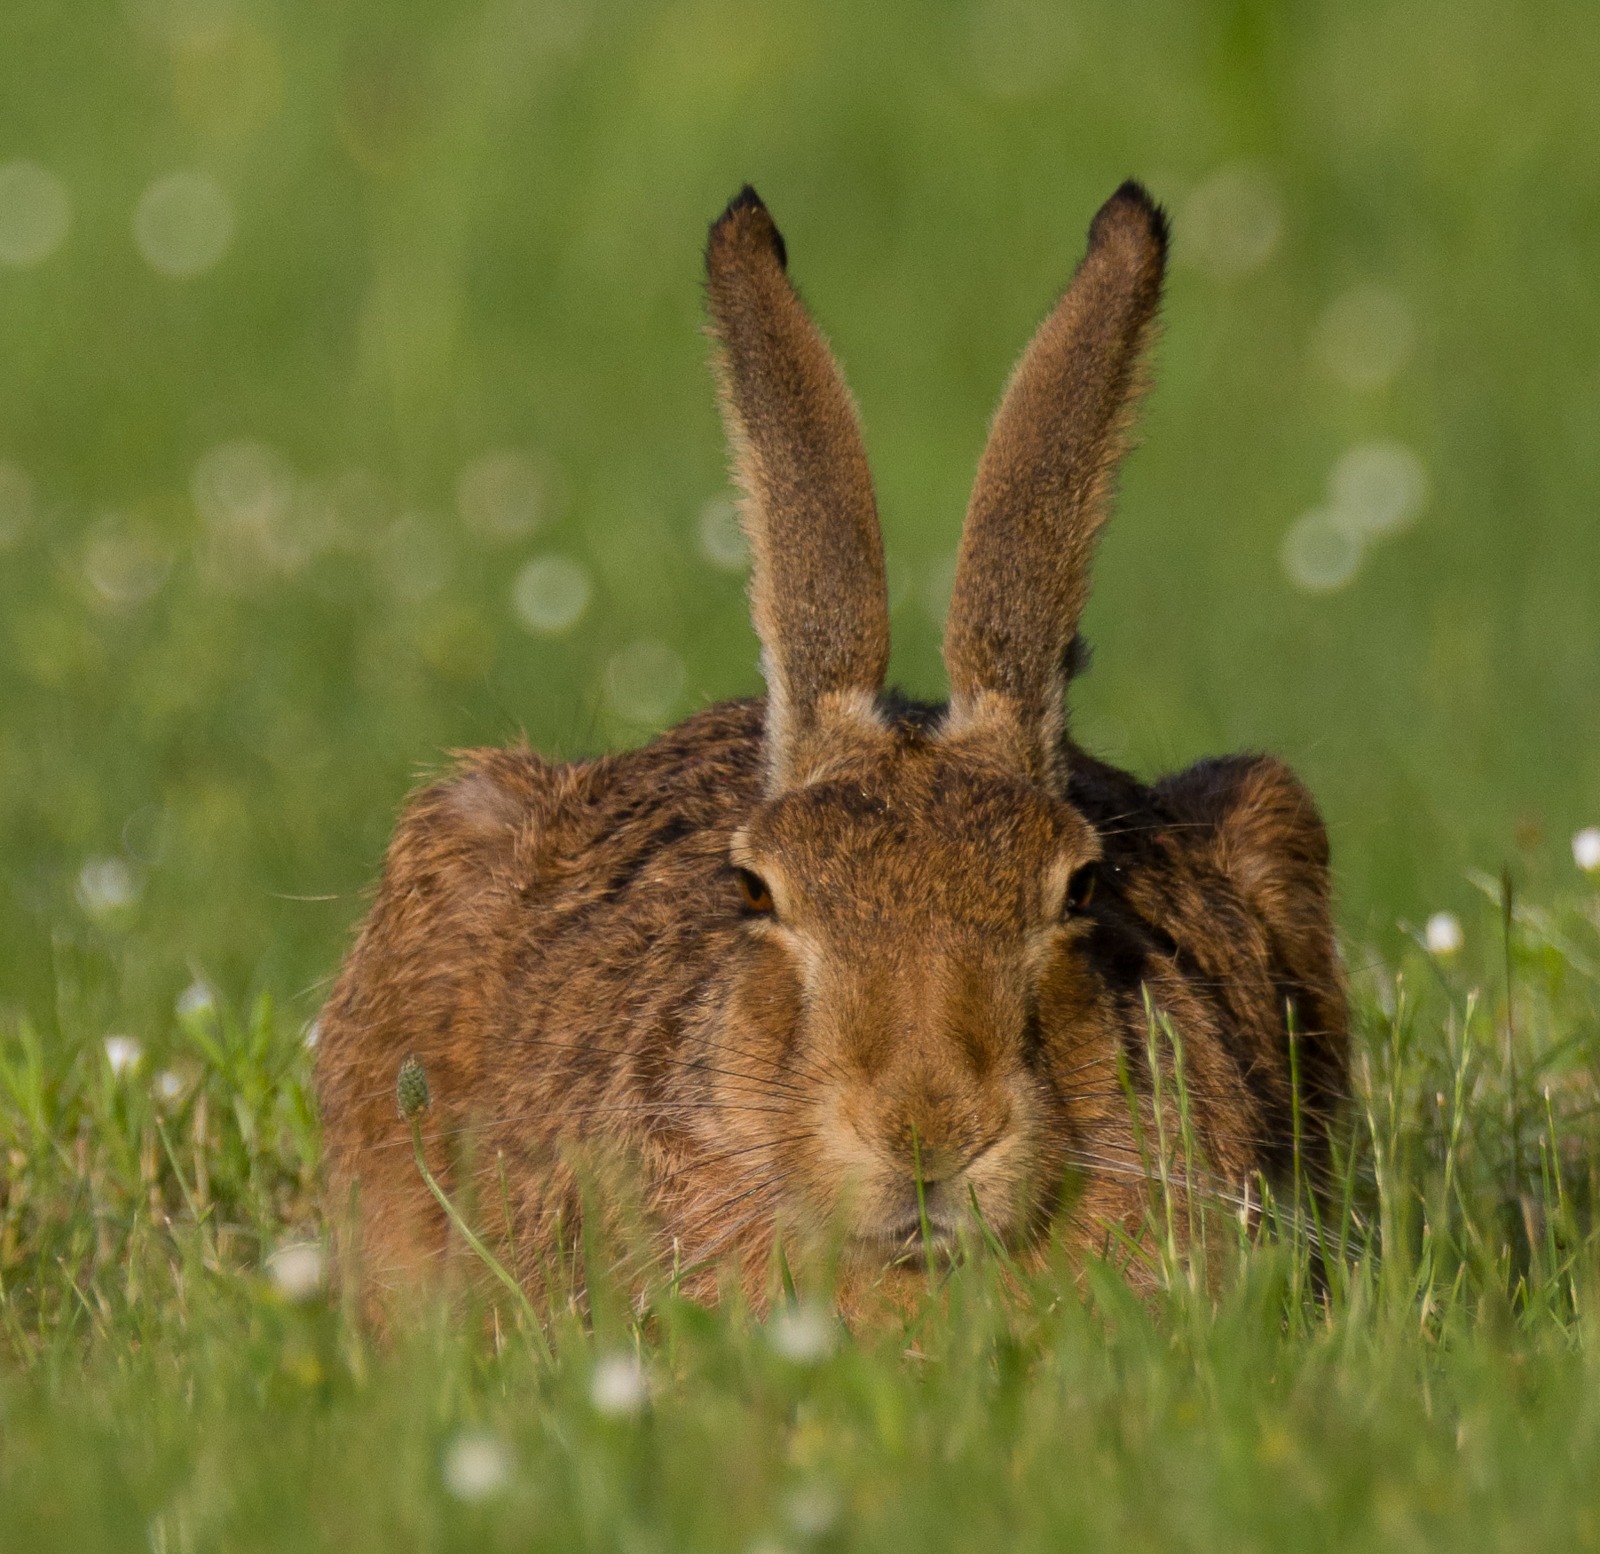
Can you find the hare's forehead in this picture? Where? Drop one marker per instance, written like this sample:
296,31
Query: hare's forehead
950,820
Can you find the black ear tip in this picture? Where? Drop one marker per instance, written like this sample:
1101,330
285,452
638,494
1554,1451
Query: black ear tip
748,200
1133,198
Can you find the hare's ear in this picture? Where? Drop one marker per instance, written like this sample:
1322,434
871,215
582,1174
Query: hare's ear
1044,489
817,591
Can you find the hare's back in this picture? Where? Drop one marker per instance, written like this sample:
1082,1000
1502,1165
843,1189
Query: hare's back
1225,865
520,898
497,870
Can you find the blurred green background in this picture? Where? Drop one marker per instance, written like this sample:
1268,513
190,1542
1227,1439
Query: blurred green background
353,407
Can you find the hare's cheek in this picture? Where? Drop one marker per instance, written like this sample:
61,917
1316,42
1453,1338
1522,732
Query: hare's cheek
1074,1014
767,1006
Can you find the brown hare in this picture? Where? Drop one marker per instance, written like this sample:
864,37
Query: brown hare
831,963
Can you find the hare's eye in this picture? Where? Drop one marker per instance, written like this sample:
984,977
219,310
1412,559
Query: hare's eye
753,891
1080,888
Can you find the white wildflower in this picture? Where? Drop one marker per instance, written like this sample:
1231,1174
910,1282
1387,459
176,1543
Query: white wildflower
477,1466
169,1087
813,1510
195,1001
123,1054
106,886
1443,933
1586,849
297,1271
803,1334
618,1387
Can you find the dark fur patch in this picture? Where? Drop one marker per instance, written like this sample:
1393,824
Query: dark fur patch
908,715
748,199
1132,192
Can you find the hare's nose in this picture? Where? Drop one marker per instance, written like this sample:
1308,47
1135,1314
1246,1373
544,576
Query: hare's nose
938,1141
934,1163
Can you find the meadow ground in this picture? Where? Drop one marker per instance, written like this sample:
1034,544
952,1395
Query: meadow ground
1409,1364
353,407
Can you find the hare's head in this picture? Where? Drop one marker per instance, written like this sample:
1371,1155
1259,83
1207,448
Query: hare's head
913,882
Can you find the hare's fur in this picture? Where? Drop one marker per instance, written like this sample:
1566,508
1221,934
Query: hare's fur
960,921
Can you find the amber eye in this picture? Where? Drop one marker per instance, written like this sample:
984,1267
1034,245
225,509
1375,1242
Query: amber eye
753,891
1080,888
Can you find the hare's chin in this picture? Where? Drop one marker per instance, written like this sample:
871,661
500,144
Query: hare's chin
895,1234
905,1245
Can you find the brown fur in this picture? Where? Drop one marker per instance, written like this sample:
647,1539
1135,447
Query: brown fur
568,952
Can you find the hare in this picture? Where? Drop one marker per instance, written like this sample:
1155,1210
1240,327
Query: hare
833,958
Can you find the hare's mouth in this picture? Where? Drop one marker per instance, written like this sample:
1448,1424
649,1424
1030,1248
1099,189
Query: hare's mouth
909,1242
910,1249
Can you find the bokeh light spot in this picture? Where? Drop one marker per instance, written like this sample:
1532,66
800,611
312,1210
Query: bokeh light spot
246,493
1230,224
1319,553
722,540
1376,488
35,213
550,594
125,562
183,224
245,483
504,494
644,682
147,832
1365,337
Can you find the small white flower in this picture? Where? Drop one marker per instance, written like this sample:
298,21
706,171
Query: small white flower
813,1510
1443,933
169,1087
803,1334
195,1000
618,1388
298,1271
106,886
123,1054
477,1466
1586,849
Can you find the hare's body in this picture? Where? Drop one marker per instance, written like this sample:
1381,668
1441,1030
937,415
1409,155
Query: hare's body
825,963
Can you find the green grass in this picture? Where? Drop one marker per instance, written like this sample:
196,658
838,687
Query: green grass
249,591
1411,1363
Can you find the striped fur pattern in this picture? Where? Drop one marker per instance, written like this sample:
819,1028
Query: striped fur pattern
757,979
